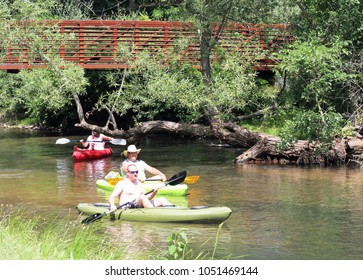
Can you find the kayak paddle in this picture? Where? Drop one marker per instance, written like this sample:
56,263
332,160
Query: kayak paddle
187,180
174,180
113,141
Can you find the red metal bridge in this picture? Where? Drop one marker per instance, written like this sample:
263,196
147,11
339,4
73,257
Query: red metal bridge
95,44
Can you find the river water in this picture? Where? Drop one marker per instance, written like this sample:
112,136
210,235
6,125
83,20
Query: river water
279,212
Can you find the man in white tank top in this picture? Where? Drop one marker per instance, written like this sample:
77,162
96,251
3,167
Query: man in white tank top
131,155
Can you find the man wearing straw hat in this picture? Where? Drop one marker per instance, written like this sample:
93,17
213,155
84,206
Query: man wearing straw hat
131,155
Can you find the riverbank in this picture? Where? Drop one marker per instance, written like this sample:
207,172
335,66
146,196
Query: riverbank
33,238
28,127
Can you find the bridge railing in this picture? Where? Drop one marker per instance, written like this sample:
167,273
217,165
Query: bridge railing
96,44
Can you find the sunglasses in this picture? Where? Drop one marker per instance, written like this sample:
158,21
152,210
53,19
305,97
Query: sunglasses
134,172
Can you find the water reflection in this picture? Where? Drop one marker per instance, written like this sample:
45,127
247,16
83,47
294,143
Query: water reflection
62,171
91,170
151,238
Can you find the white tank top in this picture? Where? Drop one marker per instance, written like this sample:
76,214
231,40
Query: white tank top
96,145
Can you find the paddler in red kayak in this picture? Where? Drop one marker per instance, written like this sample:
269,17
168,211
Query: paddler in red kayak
96,136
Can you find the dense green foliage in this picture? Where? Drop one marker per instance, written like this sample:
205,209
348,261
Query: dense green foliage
323,68
153,91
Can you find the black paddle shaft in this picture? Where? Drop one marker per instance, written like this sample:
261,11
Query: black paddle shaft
174,180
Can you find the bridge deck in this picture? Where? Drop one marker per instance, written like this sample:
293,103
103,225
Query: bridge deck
96,44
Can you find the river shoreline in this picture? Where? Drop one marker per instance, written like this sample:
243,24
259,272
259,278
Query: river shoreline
28,127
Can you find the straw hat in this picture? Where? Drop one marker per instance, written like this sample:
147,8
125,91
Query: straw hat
131,149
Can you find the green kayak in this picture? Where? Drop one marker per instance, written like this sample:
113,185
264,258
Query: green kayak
180,189
199,214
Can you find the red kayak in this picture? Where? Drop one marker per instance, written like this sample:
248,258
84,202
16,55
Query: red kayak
79,154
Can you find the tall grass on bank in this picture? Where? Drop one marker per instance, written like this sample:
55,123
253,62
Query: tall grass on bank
178,247
24,238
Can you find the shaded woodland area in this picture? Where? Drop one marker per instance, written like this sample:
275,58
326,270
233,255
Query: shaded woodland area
309,111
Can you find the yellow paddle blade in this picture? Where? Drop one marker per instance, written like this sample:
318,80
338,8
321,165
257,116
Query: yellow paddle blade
114,181
191,179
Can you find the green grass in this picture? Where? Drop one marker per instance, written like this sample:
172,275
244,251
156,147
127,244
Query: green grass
263,128
267,126
27,121
23,238
178,247
270,124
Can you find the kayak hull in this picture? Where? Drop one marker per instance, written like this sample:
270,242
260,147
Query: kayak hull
177,190
201,214
80,155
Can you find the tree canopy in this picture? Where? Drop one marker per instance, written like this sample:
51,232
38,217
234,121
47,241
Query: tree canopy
316,94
